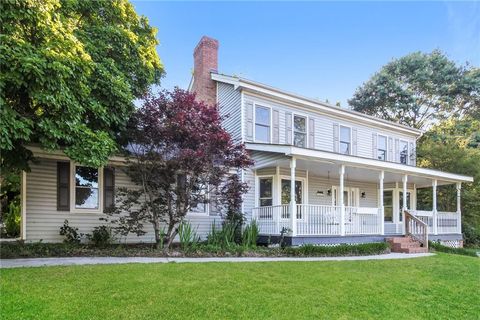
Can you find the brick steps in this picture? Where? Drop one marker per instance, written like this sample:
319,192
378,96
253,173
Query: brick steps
406,245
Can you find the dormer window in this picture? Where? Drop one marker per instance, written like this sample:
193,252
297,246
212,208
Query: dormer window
382,148
299,131
262,124
345,140
404,152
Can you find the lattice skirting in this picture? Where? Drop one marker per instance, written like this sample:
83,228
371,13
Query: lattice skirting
452,243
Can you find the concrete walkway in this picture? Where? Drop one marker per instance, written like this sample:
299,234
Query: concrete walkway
40,262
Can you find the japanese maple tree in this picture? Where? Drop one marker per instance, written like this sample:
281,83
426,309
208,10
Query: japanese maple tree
178,155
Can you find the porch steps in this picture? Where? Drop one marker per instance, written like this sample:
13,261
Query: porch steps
406,245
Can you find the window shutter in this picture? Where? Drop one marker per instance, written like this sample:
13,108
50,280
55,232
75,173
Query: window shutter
390,149
249,120
276,127
108,188
354,142
413,155
288,128
336,134
374,146
397,150
63,186
311,133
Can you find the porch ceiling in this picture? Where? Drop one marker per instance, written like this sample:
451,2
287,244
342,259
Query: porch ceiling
326,164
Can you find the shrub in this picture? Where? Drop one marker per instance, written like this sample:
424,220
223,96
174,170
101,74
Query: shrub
338,250
12,219
188,236
101,236
70,233
441,248
224,237
250,235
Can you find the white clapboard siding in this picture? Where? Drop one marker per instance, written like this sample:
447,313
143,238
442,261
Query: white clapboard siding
229,101
44,221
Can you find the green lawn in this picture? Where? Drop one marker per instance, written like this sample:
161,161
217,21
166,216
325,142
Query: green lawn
439,287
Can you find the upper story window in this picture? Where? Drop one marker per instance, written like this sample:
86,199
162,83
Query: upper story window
299,131
262,124
345,140
86,188
403,152
382,148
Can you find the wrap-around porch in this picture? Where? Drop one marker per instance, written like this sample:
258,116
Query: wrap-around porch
300,196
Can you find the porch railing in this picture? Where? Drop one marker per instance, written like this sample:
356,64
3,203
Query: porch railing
447,222
272,219
318,220
361,220
416,228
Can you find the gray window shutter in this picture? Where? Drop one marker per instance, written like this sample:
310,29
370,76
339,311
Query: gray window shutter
336,134
397,150
374,146
311,133
249,120
63,186
276,127
288,128
390,149
108,188
413,155
354,142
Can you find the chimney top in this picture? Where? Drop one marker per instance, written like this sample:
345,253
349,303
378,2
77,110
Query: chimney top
205,60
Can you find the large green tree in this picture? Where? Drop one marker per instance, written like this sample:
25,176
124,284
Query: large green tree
71,70
419,89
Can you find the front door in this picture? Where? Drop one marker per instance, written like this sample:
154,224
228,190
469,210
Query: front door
285,196
350,197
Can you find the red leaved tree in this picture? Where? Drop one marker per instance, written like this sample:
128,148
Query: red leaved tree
178,154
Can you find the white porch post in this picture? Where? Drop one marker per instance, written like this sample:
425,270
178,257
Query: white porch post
340,199
434,206
293,201
459,206
381,207
404,205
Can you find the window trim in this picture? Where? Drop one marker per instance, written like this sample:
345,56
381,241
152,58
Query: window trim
400,152
262,105
306,128
340,139
386,146
206,213
356,191
257,187
73,209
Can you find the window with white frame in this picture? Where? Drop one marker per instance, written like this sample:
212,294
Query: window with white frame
299,131
403,152
200,201
86,195
345,140
262,124
265,189
382,148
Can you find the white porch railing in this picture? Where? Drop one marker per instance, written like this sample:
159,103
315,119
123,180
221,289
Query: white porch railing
447,222
318,220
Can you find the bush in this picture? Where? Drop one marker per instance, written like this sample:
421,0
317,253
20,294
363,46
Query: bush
223,238
441,248
338,250
471,235
12,220
101,236
250,235
188,236
70,233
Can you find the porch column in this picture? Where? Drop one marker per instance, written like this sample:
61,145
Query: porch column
293,201
404,205
340,199
381,207
434,206
459,206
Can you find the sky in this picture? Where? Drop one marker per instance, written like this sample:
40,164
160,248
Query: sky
321,50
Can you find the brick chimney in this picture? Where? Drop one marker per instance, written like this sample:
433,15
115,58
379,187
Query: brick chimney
205,60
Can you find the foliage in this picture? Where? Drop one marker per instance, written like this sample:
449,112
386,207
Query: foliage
338,250
178,153
188,236
71,234
101,236
441,248
70,72
223,237
420,88
232,192
12,218
250,235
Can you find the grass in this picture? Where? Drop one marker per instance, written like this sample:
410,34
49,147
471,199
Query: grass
440,287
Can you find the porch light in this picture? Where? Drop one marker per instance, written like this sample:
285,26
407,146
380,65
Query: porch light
329,192
364,195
